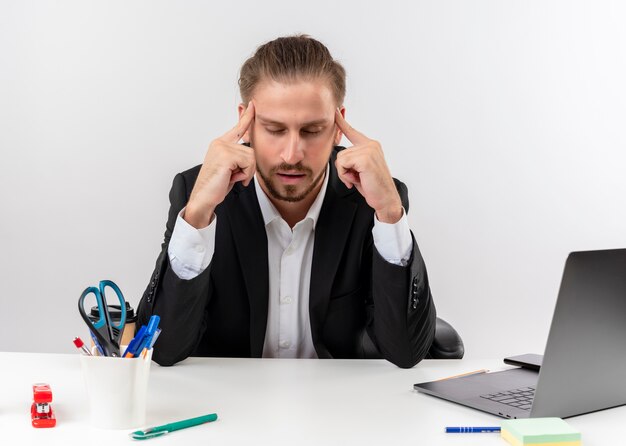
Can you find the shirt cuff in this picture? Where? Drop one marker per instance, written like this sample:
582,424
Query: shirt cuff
190,250
393,240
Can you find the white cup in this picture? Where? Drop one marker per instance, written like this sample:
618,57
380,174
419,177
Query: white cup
116,389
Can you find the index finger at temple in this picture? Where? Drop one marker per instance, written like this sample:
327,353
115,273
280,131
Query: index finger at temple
350,132
242,126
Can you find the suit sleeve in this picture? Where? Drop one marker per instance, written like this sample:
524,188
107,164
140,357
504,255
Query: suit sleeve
180,303
402,312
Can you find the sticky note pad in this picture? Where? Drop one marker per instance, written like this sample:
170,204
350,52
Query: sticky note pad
540,432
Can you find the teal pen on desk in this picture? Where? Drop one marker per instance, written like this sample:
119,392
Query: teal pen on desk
157,431
471,430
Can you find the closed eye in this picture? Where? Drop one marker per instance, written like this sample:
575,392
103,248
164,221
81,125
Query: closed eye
281,131
311,132
276,132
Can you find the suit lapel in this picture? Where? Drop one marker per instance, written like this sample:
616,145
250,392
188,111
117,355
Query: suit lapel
331,233
250,241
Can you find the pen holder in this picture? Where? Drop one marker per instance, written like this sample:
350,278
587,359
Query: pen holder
116,390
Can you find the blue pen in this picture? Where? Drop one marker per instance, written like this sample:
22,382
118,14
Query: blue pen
132,345
96,343
471,430
153,326
154,338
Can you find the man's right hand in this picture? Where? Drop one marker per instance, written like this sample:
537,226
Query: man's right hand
225,163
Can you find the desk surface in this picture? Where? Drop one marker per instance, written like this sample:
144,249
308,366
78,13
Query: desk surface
269,401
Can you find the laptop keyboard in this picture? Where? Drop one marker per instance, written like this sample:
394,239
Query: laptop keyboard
520,398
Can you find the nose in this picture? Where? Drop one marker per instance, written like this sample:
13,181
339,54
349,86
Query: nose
293,151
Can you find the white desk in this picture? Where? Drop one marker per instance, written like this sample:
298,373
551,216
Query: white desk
268,402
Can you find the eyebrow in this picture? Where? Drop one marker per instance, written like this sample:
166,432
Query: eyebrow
306,124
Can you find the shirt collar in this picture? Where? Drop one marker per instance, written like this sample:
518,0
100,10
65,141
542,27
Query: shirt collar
270,213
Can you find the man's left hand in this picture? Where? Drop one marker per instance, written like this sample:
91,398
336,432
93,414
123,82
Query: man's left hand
363,165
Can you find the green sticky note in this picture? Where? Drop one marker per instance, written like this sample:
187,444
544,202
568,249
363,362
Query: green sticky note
540,430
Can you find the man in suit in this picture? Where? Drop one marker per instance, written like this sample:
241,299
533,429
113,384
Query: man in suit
289,245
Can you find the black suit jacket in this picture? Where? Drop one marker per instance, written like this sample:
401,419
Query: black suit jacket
354,292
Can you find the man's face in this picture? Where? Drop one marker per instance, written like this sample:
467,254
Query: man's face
292,135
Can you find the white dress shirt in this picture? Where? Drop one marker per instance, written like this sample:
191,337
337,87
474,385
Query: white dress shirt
290,255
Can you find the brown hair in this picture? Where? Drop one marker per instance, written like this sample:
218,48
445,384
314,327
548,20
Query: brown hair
290,59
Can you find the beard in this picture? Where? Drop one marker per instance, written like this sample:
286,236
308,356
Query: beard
289,192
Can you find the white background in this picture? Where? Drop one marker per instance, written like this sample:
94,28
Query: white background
505,119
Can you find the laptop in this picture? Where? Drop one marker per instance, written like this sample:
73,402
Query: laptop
584,363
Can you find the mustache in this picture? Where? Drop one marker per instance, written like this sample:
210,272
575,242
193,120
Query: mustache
297,167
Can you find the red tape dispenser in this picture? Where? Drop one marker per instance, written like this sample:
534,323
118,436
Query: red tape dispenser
41,412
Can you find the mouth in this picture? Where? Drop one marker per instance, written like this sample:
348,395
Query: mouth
290,177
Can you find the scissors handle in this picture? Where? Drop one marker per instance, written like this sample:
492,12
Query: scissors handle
106,332
100,329
118,328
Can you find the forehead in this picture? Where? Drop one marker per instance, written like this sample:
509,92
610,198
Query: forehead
295,102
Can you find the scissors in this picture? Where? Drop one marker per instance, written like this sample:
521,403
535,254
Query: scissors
105,332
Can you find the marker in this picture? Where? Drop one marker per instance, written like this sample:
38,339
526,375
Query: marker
471,430
78,342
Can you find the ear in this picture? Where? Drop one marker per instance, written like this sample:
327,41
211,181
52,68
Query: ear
338,132
241,109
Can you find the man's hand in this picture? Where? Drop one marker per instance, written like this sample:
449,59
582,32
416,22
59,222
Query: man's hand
363,165
225,163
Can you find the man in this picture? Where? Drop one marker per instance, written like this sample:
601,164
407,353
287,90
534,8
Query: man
288,245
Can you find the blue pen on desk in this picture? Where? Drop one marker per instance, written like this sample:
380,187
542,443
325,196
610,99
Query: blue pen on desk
471,430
